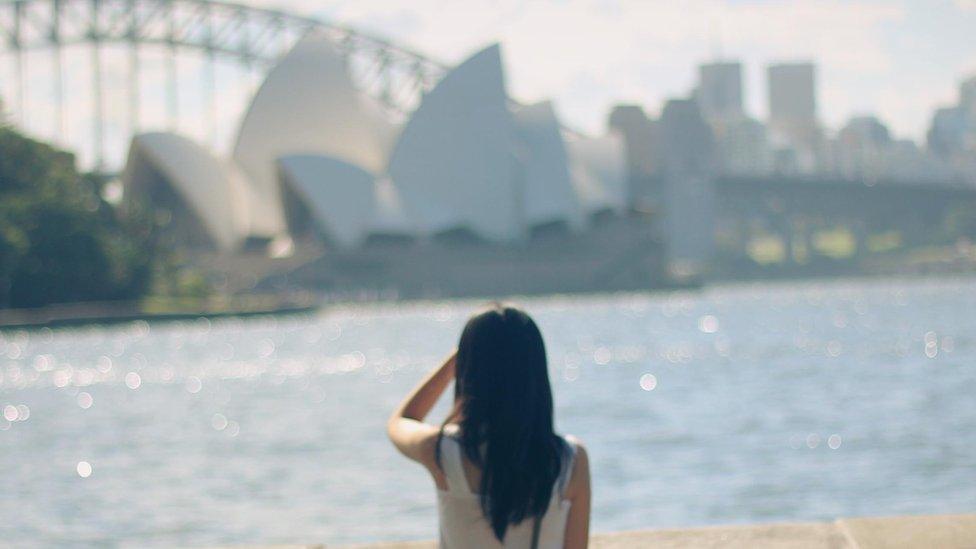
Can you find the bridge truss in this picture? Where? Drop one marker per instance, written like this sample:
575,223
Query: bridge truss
253,38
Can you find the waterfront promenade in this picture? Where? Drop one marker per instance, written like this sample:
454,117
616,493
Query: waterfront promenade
904,532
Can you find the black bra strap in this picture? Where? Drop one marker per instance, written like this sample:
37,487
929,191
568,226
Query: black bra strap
535,532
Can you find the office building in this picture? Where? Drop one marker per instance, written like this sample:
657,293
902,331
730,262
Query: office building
719,92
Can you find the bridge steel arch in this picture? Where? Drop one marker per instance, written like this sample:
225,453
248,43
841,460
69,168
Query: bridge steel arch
253,37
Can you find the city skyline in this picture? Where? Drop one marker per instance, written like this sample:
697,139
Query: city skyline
899,60
586,55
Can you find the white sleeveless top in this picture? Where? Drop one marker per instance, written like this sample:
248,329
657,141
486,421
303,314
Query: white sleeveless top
462,523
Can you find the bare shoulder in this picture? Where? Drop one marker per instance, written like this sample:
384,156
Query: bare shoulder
415,439
579,481
428,447
424,445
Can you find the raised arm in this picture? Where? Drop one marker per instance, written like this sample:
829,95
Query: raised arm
406,427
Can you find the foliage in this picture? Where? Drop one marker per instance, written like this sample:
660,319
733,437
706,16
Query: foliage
961,221
180,279
59,240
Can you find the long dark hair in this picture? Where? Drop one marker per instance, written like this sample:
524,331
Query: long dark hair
503,402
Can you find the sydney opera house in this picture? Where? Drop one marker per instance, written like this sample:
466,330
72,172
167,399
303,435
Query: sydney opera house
473,194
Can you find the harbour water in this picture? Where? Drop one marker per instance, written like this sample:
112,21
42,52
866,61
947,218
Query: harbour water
793,401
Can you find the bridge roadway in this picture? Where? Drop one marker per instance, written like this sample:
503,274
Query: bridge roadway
795,207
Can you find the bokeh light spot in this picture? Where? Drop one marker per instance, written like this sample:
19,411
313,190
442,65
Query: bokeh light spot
84,469
648,382
193,384
219,422
133,380
10,412
708,324
834,441
813,440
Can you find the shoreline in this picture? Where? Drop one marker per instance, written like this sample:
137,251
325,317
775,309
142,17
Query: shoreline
89,313
93,313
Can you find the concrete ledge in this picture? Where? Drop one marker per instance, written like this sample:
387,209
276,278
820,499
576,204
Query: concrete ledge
773,536
942,531
905,532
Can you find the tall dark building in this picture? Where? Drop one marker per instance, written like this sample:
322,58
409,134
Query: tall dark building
688,182
794,130
792,93
947,134
688,143
953,129
967,95
644,154
720,90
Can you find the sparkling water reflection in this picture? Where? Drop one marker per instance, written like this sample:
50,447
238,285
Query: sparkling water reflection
784,402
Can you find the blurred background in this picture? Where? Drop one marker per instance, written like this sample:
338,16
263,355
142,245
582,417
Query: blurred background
232,236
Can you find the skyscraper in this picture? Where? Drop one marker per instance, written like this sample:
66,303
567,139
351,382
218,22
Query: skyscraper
643,145
792,93
740,142
967,95
689,191
793,124
953,129
720,90
947,134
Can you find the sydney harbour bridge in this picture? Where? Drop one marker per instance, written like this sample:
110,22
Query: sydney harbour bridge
170,30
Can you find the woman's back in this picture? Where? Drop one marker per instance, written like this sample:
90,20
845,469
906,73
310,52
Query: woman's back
501,431
462,520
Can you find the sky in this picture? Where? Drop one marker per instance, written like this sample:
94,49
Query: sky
899,59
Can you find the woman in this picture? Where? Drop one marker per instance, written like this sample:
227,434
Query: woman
504,477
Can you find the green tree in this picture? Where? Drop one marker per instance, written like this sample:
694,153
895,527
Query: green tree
59,240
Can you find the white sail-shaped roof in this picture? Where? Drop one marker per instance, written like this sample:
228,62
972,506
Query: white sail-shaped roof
598,167
549,194
347,203
215,191
308,105
454,163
